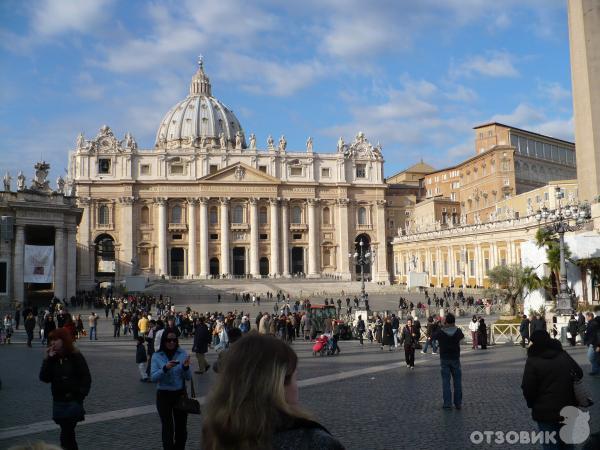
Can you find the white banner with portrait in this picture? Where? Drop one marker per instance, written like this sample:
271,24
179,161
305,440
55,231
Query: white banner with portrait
39,264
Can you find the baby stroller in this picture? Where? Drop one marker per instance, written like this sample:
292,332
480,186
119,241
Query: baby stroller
321,345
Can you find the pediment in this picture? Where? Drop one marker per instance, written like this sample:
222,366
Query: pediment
240,173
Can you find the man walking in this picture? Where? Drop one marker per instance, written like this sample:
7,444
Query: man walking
93,323
524,331
448,338
201,340
395,327
592,342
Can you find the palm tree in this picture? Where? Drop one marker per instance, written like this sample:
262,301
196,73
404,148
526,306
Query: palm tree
515,283
546,238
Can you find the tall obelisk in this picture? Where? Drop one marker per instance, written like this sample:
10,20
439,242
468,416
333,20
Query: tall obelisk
584,41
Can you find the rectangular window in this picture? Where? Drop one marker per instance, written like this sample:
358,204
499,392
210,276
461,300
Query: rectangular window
472,267
104,166
177,237
296,171
263,236
326,172
3,277
361,171
213,168
486,265
145,169
214,236
177,169
547,151
262,169
296,236
453,196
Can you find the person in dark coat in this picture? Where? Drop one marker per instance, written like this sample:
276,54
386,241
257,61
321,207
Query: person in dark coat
573,327
524,331
537,324
29,327
408,338
482,334
201,340
388,334
548,381
141,358
67,371
49,326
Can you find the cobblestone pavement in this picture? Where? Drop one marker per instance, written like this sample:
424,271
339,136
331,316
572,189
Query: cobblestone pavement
365,396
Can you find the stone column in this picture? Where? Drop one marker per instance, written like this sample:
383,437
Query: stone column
439,269
451,265
312,239
478,265
163,263
71,262
60,264
203,237
285,232
274,269
225,270
382,274
254,266
343,262
18,265
493,255
126,228
192,239
86,247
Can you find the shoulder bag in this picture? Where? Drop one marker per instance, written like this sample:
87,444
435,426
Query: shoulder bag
189,405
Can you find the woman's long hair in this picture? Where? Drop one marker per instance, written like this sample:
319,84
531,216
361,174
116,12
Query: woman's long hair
66,337
248,403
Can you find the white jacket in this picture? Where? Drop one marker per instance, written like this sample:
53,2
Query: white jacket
473,326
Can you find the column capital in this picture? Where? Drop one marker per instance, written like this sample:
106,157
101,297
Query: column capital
285,202
274,201
160,201
381,203
225,200
192,201
203,200
85,201
312,201
253,201
343,202
129,200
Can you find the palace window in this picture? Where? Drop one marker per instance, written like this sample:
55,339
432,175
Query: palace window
262,216
214,236
362,216
176,169
296,171
103,215
145,169
326,216
262,169
325,172
213,168
104,166
296,215
238,214
263,236
176,214
361,171
213,216
326,257
145,215
144,258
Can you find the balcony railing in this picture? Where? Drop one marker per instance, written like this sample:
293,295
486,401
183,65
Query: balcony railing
177,226
298,227
239,226
364,227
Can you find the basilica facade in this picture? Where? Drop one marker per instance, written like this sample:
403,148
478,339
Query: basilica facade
207,201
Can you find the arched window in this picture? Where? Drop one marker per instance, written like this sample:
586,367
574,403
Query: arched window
213,215
362,216
326,257
326,216
238,214
262,216
176,214
296,214
103,215
145,215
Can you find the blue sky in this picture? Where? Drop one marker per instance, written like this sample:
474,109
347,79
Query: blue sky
414,75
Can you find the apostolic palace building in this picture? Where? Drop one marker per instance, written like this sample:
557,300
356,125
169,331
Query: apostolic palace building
208,201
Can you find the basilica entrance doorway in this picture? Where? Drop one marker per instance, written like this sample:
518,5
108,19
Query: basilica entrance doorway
297,260
177,262
239,261
214,267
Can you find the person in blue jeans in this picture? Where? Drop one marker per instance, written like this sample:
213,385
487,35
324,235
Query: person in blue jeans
431,328
93,324
448,338
591,341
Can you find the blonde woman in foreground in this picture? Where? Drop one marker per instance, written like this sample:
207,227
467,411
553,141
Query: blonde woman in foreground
254,403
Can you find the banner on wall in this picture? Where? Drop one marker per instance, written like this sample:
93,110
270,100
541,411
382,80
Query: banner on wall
39,264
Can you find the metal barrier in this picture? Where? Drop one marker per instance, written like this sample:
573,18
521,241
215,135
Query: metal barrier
505,333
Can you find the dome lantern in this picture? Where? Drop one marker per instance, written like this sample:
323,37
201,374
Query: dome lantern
200,84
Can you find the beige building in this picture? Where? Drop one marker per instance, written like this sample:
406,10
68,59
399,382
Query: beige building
508,161
584,40
206,201
37,240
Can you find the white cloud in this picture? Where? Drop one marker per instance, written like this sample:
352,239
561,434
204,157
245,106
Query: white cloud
462,93
529,118
561,129
521,117
87,87
54,17
553,91
494,64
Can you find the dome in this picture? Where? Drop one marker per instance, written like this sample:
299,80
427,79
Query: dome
200,120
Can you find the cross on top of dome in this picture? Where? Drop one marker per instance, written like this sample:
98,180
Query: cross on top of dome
200,84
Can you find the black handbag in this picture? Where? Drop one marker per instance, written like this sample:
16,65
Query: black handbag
189,405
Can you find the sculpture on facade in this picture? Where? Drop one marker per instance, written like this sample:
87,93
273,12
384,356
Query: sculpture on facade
7,179
309,145
130,142
238,140
40,183
239,173
80,142
60,185
222,141
20,181
282,143
270,143
340,145
252,141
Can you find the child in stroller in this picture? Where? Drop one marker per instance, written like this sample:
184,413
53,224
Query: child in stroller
324,345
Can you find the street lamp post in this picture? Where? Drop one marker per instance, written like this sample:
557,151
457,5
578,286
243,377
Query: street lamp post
362,258
560,221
